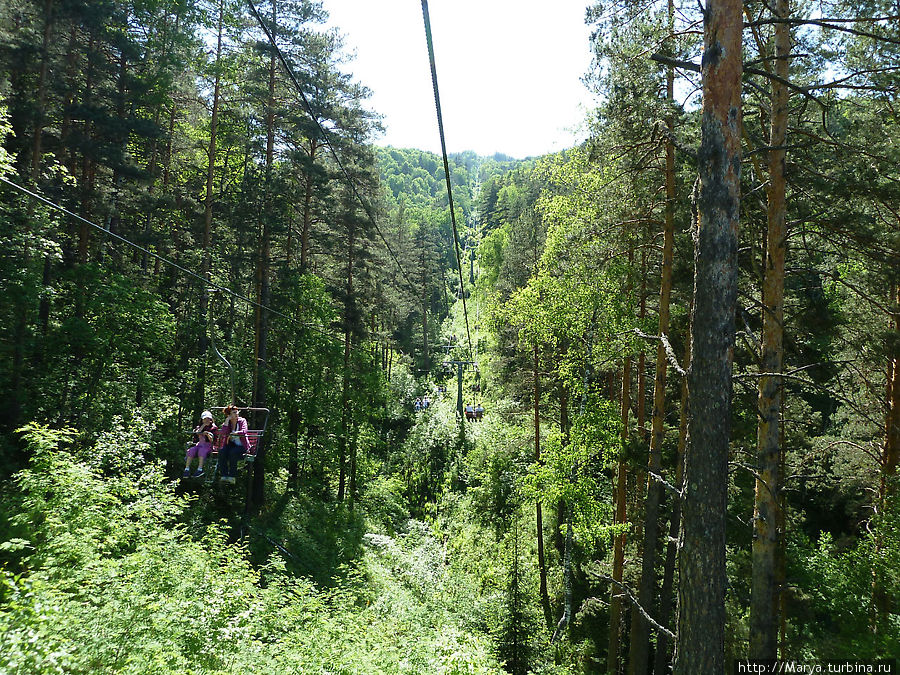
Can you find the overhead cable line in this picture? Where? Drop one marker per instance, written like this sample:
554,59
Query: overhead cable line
440,120
306,104
207,284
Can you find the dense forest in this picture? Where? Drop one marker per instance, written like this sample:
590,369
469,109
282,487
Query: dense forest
684,335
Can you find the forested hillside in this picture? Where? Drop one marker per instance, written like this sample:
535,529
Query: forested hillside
660,370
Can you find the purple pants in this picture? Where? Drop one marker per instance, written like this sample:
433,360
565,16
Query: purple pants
200,450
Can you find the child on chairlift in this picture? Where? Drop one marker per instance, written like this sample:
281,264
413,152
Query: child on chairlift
203,440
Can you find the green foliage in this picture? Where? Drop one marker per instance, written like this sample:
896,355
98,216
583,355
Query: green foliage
430,453
570,471
494,469
111,582
5,130
838,589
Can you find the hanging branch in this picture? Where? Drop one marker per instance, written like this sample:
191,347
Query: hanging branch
666,484
626,593
670,353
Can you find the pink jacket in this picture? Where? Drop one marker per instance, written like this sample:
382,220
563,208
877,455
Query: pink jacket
240,430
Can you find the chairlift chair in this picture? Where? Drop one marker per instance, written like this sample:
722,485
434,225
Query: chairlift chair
254,436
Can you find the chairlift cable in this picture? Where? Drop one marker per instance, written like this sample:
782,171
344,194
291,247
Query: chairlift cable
440,121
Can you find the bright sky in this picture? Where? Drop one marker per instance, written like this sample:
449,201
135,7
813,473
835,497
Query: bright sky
509,71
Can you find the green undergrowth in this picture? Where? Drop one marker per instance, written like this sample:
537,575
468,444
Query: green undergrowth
110,571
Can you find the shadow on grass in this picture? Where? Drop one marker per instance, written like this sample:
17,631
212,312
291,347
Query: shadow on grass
317,539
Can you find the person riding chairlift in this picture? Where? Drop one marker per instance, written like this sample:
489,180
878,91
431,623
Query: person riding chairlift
203,439
236,445
470,411
479,412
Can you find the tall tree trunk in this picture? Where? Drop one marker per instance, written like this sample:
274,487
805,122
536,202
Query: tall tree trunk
565,516
881,603
351,483
210,178
891,455
542,563
262,316
41,114
293,445
68,103
427,361
563,393
121,138
13,410
764,589
307,208
640,632
87,170
700,647
661,657
345,389
637,654
615,600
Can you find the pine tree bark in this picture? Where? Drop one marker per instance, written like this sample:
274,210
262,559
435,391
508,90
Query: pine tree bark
764,589
700,648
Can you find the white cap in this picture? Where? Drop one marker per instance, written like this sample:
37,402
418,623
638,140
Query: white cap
206,415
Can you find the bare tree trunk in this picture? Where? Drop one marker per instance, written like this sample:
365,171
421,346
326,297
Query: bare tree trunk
351,487
262,317
661,658
41,114
542,564
615,598
764,590
345,390
565,516
210,176
427,361
87,170
638,640
640,633
700,648
891,456
307,210
881,603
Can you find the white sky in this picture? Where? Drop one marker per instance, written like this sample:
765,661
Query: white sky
509,71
